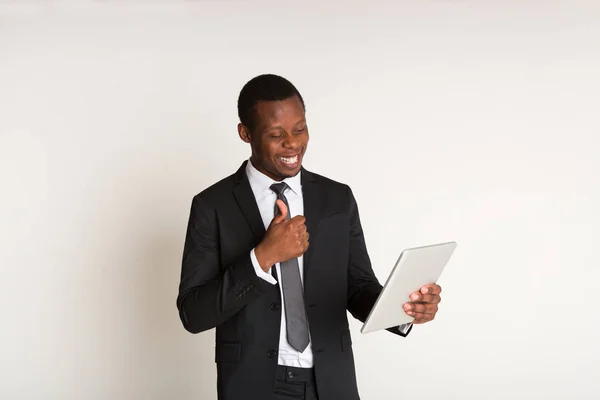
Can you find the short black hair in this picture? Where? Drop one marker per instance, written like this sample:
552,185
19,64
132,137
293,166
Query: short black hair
267,87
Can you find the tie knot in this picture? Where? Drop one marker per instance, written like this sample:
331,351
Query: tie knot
279,188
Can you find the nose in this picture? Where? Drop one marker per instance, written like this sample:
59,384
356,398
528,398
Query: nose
291,142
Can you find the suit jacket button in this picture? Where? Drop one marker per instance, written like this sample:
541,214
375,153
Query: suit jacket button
274,306
271,354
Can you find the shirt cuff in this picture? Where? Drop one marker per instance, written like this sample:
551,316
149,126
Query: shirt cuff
259,271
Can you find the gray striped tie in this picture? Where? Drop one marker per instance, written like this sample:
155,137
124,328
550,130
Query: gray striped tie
293,294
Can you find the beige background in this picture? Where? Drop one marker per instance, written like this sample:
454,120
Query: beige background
474,121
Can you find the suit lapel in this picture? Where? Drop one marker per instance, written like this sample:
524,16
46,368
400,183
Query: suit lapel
313,204
245,199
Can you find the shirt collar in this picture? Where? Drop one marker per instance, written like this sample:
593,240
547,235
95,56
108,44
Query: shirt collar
260,183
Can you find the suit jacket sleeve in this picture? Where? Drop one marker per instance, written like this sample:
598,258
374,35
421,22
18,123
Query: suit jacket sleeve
363,286
210,293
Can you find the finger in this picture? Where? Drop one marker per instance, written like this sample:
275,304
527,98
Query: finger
424,308
305,237
298,221
425,298
302,246
282,214
431,289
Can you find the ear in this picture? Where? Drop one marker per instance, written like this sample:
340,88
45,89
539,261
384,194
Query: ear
244,133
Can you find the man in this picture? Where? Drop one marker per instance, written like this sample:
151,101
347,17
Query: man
274,257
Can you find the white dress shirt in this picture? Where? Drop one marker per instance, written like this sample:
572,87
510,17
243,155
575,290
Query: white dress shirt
265,199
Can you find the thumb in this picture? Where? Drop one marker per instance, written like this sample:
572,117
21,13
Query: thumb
282,214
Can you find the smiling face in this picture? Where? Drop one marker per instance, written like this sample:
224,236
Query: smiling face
279,137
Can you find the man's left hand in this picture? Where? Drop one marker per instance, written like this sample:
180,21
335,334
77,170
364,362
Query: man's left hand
424,303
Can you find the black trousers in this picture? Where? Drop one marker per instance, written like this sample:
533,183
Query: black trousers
295,384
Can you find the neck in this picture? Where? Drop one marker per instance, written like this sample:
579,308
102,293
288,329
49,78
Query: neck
262,170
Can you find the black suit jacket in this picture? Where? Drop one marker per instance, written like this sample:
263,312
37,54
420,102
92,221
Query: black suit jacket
219,287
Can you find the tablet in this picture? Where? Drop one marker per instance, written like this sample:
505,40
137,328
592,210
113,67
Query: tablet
415,268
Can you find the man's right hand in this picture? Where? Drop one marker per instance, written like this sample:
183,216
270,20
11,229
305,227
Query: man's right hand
283,240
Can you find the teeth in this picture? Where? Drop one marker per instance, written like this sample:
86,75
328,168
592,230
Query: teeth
289,160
